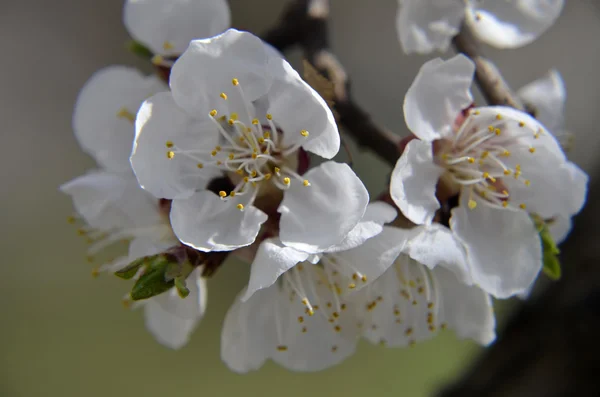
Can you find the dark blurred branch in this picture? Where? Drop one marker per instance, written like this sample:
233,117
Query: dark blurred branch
304,23
487,76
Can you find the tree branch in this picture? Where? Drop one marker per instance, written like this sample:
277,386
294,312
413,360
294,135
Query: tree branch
304,23
487,76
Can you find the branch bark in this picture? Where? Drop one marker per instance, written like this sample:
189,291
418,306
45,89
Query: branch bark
304,23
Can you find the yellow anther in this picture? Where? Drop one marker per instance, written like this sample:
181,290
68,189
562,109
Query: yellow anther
124,113
300,319
337,328
222,193
170,154
231,156
355,276
267,135
282,348
521,124
430,305
490,128
505,204
157,60
248,129
443,325
305,302
471,160
506,172
277,170
71,220
232,193
219,162
235,82
269,116
477,112
351,286
329,304
213,153
239,172
169,144
240,207
505,192
309,311
414,302
304,133
218,148
408,331
486,175
522,206
527,182
254,156
287,181
531,150
95,273
242,139
231,122
335,314
396,312
498,116
432,328
497,131
255,121
343,306
412,283
268,176
518,167
506,153
126,303
485,154
253,173
246,179
364,279
472,204
223,95
304,329
213,113
200,165
168,46
261,140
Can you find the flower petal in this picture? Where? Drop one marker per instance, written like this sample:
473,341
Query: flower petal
435,245
414,180
316,217
296,107
159,169
172,319
272,260
439,93
249,331
377,214
105,110
560,227
168,27
207,67
112,201
427,25
547,96
503,247
206,222
512,24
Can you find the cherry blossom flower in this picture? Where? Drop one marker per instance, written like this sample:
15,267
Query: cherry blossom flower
421,293
296,309
112,205
427,25
237,109
502,163
167,27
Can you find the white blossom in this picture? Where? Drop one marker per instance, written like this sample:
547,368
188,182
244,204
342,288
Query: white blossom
427,25
167,27
503,163
112,205
238,109
296,310
421,293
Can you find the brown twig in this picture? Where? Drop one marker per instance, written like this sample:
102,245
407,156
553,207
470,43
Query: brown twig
487,76
304,23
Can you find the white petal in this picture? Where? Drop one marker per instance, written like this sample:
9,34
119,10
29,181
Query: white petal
427,25
112,201
375,255
414,180
249,331
503,247
167,27
576,184
271,261
207,67
160,121
547,95
316,217
101,132
191,307
377,214
208,223
560,227
439,93
142,246
467,309
512,24
295,107
435,245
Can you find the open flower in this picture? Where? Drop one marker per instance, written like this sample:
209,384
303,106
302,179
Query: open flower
427,25
296,308
167,27
112,205
421,293
237,109
503,164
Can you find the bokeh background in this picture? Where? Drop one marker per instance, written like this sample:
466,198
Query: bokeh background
63,333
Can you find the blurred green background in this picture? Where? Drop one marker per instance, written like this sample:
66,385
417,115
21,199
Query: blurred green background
65,334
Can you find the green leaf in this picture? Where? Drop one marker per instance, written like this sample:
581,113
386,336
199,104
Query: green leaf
130,270
550,250
153,281
139,49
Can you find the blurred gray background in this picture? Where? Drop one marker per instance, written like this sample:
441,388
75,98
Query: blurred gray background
66,334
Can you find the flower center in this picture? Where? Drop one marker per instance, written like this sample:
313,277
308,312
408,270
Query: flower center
480,155
252,152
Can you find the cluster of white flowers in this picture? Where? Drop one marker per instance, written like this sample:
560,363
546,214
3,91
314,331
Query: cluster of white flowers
329,265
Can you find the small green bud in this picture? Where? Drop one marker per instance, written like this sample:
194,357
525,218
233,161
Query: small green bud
139,49
153,281
130,270
550,250
182,289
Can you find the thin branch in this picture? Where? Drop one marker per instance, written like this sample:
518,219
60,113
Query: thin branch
304,23
487,76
